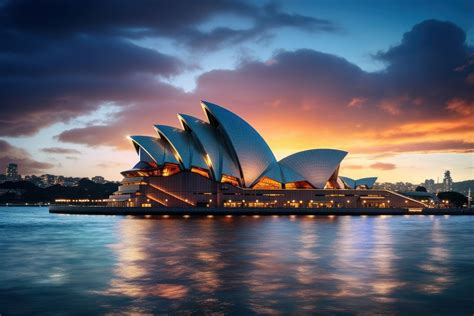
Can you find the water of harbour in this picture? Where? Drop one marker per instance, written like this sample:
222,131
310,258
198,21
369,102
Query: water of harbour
58,264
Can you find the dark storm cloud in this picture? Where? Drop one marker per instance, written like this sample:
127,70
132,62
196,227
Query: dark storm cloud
178,20
10,153
62,59
427,76
92,56
306,88
433,61
266,19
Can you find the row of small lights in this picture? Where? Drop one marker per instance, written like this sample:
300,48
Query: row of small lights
230,216
186,216
79,200
293,201
166,200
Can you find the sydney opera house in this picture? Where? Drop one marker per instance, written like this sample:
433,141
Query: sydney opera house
224,162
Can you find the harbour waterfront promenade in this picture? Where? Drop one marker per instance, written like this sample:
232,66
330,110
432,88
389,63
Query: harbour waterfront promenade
203,211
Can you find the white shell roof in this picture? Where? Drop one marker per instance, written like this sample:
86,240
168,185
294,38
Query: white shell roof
213,145
228,145
348,182
282,174
369,182
155,148
183,144
351,183
316,165
144,156
253,153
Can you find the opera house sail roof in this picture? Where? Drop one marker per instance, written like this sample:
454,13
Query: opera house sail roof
228,149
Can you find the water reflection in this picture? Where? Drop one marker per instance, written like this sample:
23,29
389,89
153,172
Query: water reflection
241,265
273,265
384,259
436,265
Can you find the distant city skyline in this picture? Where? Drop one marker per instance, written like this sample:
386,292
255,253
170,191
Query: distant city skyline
431,185
390,82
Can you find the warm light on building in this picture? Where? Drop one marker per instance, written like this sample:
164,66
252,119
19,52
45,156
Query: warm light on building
224,160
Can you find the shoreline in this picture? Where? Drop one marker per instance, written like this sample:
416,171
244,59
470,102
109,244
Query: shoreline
204,211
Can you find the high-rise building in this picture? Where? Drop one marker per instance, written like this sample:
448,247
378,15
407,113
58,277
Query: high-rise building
48,180
98,179
34,179
12,172
447,181
429,185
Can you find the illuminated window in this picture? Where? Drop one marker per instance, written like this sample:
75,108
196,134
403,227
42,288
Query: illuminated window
298,185
231,180
153,164
231,203
266,183
169,170
201,172
163,171
331,185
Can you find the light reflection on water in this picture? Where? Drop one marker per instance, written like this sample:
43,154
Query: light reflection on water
239,265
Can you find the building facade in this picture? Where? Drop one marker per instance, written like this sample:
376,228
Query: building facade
11,172
429,184
224,162
447,181
98,179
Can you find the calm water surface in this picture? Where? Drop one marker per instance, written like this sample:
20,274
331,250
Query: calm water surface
57,264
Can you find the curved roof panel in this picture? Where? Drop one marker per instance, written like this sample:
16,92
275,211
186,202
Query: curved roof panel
154,148
273,172
282,173
353,184
316,165
219,158
349,182
184,146
369,182
141,166
144,156
252,152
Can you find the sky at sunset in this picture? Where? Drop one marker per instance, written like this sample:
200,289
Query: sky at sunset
391,82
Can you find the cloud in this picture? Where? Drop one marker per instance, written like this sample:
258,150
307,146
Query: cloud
266,19
88,135
432,63
26,164
158,103
353,167
109,164
74,77
297,99
180,21
383,166
356,102
87,53
380,112
461,106
89,56
60,150
458,146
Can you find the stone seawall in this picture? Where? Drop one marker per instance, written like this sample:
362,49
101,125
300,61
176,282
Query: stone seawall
103,210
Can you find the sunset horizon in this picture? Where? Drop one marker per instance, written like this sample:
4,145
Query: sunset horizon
236,157
398,98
